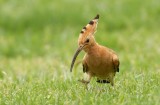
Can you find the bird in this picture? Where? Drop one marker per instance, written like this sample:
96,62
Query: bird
99,61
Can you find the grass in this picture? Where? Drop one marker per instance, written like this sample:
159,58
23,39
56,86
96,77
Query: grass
39,38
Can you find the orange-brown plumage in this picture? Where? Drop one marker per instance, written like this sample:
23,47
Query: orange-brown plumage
98,61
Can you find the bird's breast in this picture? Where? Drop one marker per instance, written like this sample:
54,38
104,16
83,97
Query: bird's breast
99,65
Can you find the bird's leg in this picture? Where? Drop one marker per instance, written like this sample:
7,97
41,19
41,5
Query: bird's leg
87,80
111,79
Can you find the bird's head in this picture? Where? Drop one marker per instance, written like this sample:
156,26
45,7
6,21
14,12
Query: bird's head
86,38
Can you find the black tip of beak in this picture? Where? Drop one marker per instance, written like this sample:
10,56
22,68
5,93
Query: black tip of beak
97,17
70,70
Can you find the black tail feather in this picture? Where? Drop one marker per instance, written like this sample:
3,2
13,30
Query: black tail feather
102,81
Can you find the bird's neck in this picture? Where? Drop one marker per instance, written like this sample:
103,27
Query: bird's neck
92,48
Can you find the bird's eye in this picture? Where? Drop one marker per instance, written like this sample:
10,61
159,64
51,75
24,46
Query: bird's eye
87,40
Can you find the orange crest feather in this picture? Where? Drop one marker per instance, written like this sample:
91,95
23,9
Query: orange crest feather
90,28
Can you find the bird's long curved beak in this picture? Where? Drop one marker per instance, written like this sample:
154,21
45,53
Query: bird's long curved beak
75,56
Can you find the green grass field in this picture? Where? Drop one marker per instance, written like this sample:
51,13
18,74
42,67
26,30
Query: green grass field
39,37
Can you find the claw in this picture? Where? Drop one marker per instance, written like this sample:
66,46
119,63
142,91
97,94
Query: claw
83,81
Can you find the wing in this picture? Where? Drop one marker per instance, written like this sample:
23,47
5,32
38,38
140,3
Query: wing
85,67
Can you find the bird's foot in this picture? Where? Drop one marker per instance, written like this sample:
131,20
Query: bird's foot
83,81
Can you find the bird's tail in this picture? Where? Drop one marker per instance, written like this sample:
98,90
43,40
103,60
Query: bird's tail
102,81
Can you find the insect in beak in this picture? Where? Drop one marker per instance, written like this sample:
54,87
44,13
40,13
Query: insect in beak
75,56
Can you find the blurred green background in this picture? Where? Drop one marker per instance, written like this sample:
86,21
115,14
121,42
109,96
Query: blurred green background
31,28
50,28
39,37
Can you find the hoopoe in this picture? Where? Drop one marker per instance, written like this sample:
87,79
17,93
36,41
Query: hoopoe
98,61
